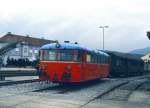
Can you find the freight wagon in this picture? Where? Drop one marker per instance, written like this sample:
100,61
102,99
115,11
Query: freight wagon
125,64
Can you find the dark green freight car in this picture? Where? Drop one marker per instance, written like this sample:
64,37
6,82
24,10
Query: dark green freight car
124,64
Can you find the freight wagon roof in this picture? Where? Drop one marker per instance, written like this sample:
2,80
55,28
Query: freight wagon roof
69,46
124,55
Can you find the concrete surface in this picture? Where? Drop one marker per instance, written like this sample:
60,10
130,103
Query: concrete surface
134,94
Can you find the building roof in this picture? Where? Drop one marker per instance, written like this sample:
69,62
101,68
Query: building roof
9,37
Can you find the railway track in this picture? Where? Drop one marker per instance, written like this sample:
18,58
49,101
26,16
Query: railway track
112,93
104,93
56,88
23,87
123,92
62,89
50,92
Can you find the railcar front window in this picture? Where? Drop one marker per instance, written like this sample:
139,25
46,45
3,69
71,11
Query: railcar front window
52,55
65,56
47,55
43,55
59,55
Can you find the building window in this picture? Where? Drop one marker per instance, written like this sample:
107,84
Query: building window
36,51
30,51
17,49
25,50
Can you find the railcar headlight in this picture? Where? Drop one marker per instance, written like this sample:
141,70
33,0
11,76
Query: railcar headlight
57,45
68,67
44,67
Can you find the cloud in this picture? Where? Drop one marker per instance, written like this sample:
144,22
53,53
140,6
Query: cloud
78,20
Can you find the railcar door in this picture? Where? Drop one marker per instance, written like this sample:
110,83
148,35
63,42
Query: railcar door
87,66
83,65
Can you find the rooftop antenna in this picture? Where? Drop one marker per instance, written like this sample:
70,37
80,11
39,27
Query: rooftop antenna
76,43
66,41
27,36
8,32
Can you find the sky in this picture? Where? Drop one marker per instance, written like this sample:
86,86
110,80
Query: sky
79,21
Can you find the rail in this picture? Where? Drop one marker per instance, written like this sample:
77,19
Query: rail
17,73
12,73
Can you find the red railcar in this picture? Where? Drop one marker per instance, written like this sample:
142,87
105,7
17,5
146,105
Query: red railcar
72,63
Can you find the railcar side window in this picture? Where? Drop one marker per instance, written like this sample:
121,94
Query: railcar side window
103,59
99,59
88,58
77,56
93,58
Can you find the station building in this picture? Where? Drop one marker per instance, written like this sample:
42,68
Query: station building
27,46
146,60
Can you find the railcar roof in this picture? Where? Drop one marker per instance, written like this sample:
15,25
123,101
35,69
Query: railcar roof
70,46
63,46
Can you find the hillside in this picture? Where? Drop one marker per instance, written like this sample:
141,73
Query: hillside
142,51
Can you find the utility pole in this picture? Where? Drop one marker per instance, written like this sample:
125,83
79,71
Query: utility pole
103,31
